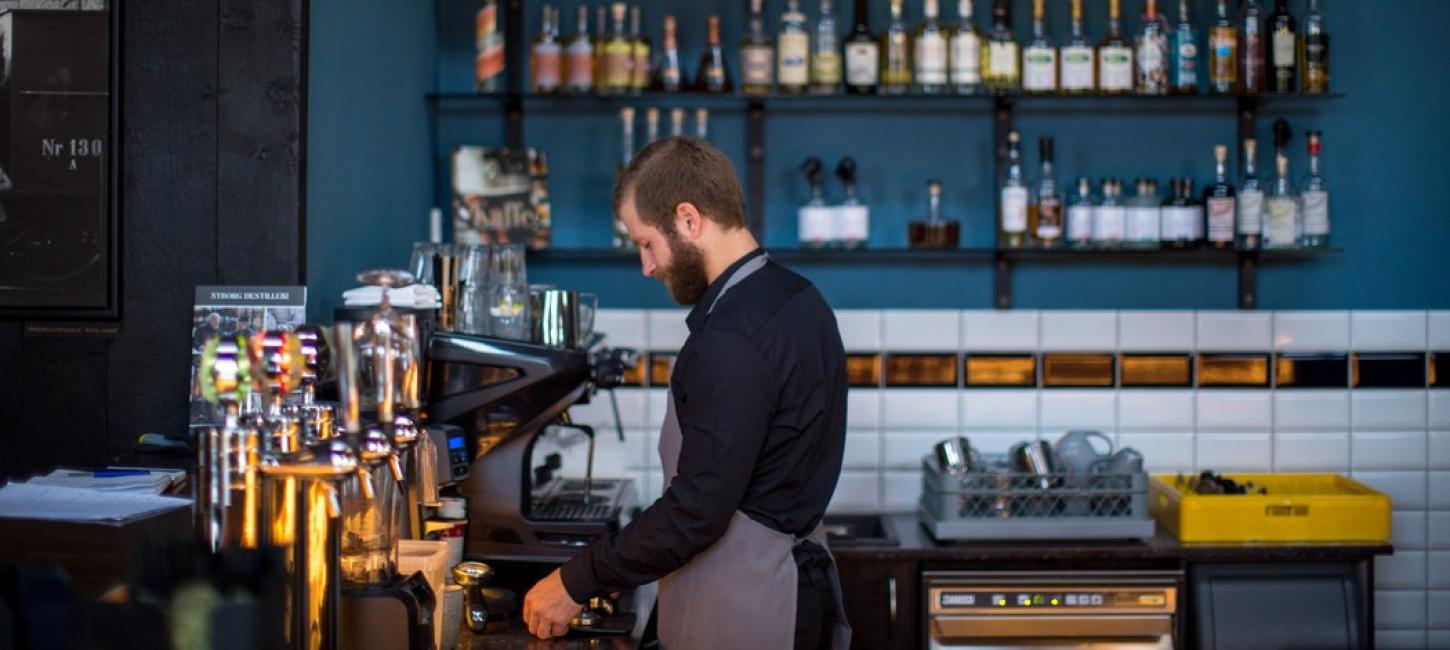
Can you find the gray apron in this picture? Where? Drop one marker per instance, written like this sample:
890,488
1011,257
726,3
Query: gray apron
740,592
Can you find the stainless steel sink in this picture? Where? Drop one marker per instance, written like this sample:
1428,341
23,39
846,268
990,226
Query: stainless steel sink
859,530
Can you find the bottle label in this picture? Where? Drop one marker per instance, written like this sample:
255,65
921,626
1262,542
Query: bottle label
1282,229
817,224
1144,224
854,222
1077,68
485,25
1221,219
1049,219
546,66
795,50
1117,68
1152,63
1014,209
757,65
1180,223
863,63
581,66
1039,69
1251,212
1080,223
1316,212
826,68
1225,52
489,64
1187,69
1108,223
1283,49
618,64
966,59
931,59
1003,60
641,66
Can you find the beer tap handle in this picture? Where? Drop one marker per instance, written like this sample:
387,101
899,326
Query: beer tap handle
365,483
334,503
396,467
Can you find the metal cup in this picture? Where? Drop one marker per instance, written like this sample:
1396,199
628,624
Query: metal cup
1035,458
558,323
956,455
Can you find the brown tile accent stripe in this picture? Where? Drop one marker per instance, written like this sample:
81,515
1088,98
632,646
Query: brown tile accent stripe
1233,370
661,364
935,370
1165,370
863,370
1001,371
1078,370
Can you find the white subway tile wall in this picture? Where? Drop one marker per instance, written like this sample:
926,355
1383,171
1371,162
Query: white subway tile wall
1397,441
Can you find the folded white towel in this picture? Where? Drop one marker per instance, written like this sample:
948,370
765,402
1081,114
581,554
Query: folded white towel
416,296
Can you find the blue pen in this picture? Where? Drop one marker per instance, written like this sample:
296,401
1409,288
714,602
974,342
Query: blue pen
116,473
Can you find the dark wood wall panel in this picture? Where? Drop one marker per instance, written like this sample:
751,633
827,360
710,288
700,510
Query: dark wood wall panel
11,353
64,419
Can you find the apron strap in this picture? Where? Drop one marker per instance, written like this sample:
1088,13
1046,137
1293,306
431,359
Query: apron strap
740,274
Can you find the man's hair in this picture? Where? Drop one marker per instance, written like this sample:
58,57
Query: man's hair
681,170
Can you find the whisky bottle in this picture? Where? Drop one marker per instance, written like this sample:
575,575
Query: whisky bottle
1251,50
1001,56
544,56
1115,57
757,56
618,55
580,57
1314,52
1185,53
712,76
895,55
1223,45
1284,50
1047,204
966,52
601,37
1039,59
1219,199
1080,215
863,54
1283,214
793,74
1012,220
1316,199
669,77
1110,216
935,230
826,53
853,217
640,71
1152,52
931,52
1079,70
1250,224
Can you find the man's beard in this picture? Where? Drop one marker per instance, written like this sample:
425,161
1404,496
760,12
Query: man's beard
685,277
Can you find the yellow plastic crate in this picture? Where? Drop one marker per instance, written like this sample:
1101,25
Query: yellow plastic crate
1298,508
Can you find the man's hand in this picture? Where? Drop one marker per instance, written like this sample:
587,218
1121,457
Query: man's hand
548,608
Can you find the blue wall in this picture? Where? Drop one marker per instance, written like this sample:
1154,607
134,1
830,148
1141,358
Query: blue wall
371,177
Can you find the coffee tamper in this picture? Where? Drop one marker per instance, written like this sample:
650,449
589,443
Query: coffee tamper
473,576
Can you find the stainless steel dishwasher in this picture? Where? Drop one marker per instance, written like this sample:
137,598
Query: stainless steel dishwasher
1051,610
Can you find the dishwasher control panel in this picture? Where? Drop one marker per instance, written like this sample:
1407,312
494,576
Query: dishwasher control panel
1018,601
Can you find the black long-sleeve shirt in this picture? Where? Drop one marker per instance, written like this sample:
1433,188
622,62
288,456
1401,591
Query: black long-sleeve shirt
760,394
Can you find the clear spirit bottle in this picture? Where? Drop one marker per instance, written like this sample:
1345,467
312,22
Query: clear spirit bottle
1283,214
757,56
1152,52
579,55
1115,57
1185,53
1047,202
793,74
1079,58
1250,223
895,55
931,52
1012,222
1110,216
1039,60
1080,215
1316,199
966,52
1219,200
826,54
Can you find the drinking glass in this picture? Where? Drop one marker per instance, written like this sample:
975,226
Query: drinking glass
508,305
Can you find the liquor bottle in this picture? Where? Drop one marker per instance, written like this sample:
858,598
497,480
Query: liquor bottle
640,70
895,55
702,123
1284,50
863,54
544,57
853,217
1185,53
965,57
1013,204
1283,214
1110,216
1314,52
1251,51
626,124
1079,73
1047,204
935,230
488,65
1223,45
668,75
815,220
651,125
757,56
1219,199
1152,52
713,77
1080,215
1182,216
826,53
1144,216
931,52
794,72
618,55
1249,227
677,122
1001,56
1039,59
1115,57
601,37
580,57
1316,200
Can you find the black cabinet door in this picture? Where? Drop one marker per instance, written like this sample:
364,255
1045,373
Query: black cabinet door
882,603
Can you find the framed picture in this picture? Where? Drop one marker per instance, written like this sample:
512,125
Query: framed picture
59,209
501,196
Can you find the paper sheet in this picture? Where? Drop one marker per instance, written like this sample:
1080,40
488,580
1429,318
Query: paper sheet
53,503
